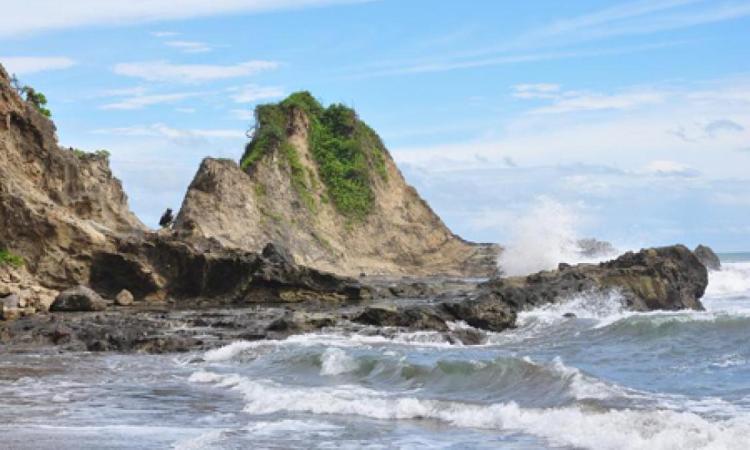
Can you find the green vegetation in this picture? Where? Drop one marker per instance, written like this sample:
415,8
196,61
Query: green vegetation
37,99
95,154
9,259
345,150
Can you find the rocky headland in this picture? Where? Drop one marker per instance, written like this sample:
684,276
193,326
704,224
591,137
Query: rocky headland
315,228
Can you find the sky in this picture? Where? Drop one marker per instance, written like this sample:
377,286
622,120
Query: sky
632,116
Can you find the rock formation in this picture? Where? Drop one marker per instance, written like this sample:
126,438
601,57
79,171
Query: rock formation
321,182
666,278
57,206
707,256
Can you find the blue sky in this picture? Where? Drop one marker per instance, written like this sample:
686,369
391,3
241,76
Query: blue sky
634,116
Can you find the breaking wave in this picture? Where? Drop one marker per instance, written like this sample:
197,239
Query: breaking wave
576,425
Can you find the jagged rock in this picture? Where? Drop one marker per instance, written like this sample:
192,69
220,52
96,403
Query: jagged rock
124,298
668,278
57,207
707,256
79,298
266,203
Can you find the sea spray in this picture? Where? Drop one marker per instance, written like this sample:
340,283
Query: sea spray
543,237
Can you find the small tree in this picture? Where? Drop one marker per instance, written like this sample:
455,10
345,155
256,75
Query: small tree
37,99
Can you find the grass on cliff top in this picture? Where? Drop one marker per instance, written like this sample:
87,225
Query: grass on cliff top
346,151
9,259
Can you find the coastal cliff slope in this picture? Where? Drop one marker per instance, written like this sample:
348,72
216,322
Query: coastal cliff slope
320,182
57,206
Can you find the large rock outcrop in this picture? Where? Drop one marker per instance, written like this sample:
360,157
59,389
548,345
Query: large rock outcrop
285,190
57,206
162,266
665,278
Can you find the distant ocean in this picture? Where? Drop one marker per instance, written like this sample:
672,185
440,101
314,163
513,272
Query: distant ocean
607,379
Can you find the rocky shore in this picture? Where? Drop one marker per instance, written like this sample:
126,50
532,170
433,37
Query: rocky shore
79,271
266,296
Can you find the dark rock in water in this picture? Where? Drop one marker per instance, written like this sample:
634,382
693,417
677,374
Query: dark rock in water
79,298
707,256
302,322
570,315
486,315
668,278
421,317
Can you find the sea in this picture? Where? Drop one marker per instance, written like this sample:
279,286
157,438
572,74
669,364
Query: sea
604,379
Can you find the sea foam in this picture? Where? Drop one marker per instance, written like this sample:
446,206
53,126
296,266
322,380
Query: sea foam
572,425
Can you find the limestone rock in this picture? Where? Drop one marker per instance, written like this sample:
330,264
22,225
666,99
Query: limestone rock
246,209
707,256
124,298
79,298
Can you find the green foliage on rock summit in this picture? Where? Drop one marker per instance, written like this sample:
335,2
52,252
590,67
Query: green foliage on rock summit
347,152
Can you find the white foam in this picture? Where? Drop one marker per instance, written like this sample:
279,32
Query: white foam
732,279
602,307
542,238
336,361
583,386
208,439
574,425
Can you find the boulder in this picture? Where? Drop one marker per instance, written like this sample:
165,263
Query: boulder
124,298
79,298
707,256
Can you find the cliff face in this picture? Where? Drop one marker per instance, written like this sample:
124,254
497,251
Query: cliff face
321,183
56,206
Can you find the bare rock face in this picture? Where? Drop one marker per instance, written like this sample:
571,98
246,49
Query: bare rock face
281,194
79,298
56,207
707,256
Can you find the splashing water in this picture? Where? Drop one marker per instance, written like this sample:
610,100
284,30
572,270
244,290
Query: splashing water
543,238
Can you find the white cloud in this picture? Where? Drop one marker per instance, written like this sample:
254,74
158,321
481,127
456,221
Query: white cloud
27,17
538,90
581,101
252,93
562,39
141,101
189,46
162,130
190,73
164,34
628,137
24,65
670,168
